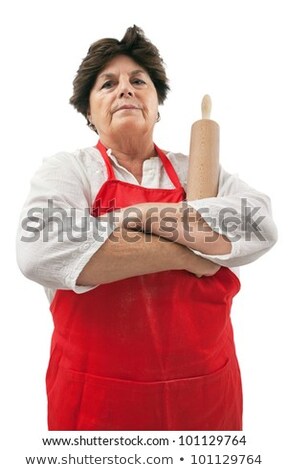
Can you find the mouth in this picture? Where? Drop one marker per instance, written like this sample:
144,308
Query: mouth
126,106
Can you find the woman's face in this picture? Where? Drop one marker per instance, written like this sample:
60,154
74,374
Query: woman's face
123,98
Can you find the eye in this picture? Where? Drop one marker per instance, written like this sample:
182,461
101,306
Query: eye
108,84
138,81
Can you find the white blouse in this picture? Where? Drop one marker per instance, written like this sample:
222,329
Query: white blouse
52,249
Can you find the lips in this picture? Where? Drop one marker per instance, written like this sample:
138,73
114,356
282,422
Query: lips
126,106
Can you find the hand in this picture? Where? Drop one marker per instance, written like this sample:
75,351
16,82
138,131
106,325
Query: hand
199,266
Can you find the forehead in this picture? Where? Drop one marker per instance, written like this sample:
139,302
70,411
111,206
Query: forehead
120,64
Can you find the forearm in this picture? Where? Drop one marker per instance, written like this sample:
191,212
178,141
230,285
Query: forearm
128,253
175,222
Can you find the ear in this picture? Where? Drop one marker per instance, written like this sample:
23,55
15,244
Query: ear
88,115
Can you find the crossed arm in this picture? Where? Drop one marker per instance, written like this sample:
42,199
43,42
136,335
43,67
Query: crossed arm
173,231
60,262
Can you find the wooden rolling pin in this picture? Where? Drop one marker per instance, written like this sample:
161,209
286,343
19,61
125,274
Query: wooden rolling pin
203,169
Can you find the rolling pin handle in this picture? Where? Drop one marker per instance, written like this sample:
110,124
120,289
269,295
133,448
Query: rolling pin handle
206,107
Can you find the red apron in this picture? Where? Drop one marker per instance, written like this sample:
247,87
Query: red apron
152,352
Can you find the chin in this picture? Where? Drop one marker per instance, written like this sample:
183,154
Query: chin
130,127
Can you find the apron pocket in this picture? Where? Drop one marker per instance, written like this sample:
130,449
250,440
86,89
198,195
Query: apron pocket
80,401
206,403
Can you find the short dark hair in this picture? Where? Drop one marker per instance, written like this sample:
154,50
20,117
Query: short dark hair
135,45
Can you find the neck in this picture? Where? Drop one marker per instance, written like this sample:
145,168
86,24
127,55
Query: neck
130,149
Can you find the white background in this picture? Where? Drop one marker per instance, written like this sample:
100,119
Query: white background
234,50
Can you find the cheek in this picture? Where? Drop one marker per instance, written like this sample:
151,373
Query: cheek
100,110
153,106
150,99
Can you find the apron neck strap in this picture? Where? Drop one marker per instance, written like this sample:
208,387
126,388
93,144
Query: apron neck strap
165,161
103,151
168,167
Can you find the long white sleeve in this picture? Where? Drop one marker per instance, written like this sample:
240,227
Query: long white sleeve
244,215
52,249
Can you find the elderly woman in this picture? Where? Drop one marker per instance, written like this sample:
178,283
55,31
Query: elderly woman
140,292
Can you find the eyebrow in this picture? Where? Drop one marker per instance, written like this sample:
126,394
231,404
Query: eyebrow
112,75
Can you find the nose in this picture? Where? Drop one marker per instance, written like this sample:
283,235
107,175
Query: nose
125,89
125,93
